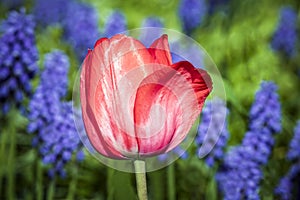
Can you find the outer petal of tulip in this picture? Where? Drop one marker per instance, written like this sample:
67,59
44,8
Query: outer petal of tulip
105,114
167,103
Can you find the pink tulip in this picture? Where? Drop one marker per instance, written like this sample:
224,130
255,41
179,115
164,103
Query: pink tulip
135,102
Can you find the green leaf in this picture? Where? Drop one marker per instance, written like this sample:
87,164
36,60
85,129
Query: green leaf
211,190
120,186
156,184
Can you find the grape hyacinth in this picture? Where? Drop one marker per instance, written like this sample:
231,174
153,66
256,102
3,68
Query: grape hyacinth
152,22
81,27
60,140
116,23
192,53
285,36
51,118
18,57
53,86
240,174
56,70
50,12
12,4
284,188
288,182
213,133
265,112
152,32
294,151
191,13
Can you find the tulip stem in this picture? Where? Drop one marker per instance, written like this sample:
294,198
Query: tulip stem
3,159
11,159
73,183
140,175
171,182
39,180
51,189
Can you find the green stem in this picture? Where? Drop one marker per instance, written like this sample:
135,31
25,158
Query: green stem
2,157
11,161
171,182
109,184
73,184
51,189
140,174
39,181
157,180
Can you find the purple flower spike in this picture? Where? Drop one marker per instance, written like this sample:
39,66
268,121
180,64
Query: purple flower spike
288,182
213,133
50,12
285,36
52,119
240,174
191,13
116,23
81,27
18,57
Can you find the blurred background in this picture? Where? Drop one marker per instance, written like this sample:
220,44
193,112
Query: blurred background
255,45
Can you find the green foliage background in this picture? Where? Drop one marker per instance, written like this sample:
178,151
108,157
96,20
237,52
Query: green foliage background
239,43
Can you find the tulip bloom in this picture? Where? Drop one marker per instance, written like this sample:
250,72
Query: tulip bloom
135,102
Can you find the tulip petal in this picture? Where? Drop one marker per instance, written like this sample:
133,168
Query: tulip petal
167,103
198,78
105,113
89,119
98,42
154,110
160,51
201,83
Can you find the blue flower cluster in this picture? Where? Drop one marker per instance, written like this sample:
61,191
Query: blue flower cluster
12,4
50,12
45,103
153,31
240,175
191,13
51,118
78,20
192,53
285,36
18,57
265,111
287,183
294,151
116,23
213,132
152,22
59,140
81,27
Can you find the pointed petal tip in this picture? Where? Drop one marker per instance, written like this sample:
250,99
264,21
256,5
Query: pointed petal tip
99,41
164,36
88,51
160,50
